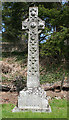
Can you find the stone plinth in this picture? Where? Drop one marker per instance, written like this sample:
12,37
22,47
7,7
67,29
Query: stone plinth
33,99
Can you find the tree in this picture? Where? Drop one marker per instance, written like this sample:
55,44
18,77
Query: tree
55,15
14,13
54,46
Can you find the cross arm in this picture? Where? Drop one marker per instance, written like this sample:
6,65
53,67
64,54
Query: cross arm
41,24
25,24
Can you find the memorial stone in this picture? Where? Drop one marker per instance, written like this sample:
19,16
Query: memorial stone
33,97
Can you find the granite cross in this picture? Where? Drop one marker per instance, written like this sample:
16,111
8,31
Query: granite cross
33,97
33,26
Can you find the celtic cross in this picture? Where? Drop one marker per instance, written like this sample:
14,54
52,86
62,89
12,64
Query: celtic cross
33,26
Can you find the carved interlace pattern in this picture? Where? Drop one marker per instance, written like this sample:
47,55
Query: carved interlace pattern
33,26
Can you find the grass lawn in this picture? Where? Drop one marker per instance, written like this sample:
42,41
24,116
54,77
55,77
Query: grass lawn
59,110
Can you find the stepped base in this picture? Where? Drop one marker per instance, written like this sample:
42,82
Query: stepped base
32,99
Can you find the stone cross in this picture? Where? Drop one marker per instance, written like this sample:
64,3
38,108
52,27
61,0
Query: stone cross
33,26
33,97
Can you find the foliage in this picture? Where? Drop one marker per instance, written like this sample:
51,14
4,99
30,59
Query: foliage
52,73
50,70
13,14
59,110
55,45
55,15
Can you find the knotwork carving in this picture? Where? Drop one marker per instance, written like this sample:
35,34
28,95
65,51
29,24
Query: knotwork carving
33,26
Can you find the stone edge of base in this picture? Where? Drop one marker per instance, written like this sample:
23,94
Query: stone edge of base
16,109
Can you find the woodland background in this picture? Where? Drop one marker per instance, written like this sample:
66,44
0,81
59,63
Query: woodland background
53,40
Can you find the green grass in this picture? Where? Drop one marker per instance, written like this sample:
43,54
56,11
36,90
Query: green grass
0,111
59,110
0,58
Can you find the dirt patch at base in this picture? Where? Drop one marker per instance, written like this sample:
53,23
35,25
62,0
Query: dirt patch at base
57,94
9,97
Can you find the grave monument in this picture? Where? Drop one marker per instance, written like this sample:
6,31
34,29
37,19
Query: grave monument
33,97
